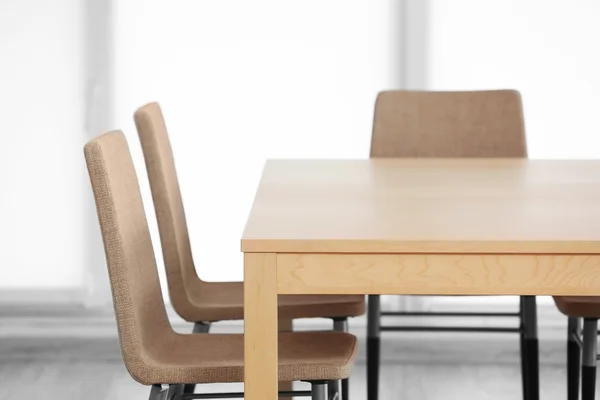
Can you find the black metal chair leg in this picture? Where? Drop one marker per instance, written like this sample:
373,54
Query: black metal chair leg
155,392
346,389
589,353
524,381
573,359
588,383
171,392
522,348
189,388
531,348
318,390
201,327
533,372
333,390
373,346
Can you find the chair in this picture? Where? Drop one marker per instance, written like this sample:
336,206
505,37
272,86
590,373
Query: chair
195,300
451,124
578,342
153,353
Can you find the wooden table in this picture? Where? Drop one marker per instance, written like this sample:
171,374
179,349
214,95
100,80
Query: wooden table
414,226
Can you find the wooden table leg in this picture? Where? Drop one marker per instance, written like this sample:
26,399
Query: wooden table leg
260,326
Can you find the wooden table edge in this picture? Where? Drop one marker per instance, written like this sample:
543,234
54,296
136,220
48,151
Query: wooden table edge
425,247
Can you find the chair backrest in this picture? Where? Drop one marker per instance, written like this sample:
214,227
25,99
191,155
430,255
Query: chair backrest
141,317
168,206
449,124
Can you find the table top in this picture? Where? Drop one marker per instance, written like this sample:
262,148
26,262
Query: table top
426,206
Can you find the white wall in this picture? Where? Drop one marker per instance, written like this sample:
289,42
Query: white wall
41,160
243,81
545,48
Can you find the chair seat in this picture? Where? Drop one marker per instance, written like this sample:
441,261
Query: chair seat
219,358
578,306
218,301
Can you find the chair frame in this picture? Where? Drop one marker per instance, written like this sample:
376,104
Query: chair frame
582,357
527,330
319,391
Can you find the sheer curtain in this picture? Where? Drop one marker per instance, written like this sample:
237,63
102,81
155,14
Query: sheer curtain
243,81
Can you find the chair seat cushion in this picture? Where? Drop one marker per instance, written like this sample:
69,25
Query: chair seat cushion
578,306
218,358
218,301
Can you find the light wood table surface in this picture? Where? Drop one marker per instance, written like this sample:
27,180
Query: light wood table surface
414,226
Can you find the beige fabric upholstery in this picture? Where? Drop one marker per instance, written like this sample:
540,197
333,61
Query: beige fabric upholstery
578,306
152,351
448,124
193,299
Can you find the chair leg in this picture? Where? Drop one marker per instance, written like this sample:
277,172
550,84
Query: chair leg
189,388
588,362
172,392
373,346
345,389
199,327
341,325
155,392
573,359
333,390
524,381
531,350
318,390
175,391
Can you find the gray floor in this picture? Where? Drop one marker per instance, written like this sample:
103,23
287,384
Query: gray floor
63,368
109,380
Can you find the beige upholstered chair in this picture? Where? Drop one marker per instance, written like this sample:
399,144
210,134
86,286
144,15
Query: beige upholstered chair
451,124
203,302
153,353
582,348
